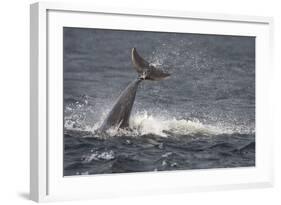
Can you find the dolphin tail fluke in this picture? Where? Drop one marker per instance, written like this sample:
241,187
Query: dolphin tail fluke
145,70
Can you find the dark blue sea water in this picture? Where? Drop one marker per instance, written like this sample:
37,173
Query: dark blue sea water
202,117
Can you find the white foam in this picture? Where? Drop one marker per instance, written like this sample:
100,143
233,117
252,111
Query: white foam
99,156
143,123
167,154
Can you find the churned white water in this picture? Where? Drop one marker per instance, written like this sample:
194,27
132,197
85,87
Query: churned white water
144,123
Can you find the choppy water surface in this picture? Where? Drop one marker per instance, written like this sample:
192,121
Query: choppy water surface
203,116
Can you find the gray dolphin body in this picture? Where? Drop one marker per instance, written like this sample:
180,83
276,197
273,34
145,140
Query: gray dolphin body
119,115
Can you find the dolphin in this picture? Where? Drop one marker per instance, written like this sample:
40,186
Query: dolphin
119,115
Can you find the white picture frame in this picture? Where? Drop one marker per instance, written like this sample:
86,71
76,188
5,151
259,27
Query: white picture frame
46,179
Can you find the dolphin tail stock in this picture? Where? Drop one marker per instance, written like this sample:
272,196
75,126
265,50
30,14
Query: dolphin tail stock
120,113
145,70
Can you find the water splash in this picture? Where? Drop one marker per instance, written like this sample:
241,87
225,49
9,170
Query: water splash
142,123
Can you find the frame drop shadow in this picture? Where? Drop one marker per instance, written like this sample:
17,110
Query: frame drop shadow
24,195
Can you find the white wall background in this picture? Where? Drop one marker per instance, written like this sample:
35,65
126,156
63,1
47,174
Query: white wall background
14,101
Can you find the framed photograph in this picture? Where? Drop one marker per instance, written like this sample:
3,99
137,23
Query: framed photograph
127,102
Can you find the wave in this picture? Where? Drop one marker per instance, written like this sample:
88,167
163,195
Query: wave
98,156
143,124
